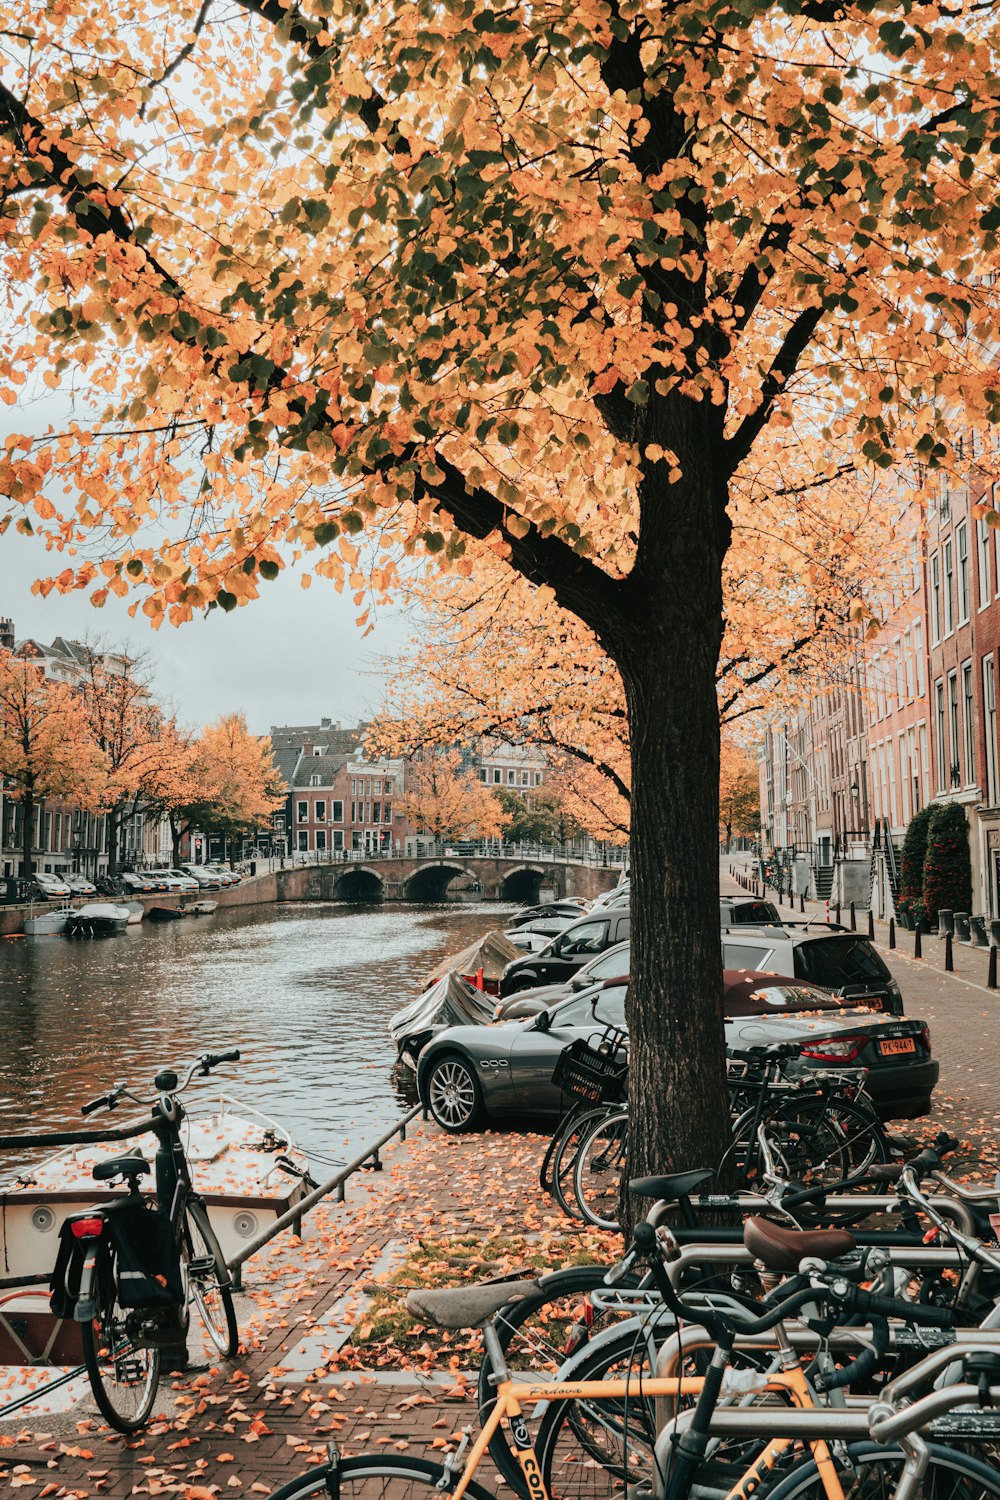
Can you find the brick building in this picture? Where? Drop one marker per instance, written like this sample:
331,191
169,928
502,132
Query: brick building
341,800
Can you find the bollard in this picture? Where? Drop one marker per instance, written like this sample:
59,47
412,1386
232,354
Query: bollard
802,901
871,925
854,920
949,958
946,922
837,916
991,975
917,951
892,932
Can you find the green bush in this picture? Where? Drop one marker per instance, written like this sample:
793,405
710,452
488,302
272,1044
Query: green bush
947,863
910,901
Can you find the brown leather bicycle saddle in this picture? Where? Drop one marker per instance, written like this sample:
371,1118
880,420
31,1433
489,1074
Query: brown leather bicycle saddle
781,1249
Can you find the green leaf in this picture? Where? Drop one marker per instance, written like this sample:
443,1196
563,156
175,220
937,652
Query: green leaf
225,600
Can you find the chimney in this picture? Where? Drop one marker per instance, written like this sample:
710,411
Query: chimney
307,748
6,634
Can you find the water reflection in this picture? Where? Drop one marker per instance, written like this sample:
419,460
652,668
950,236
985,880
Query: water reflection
304,990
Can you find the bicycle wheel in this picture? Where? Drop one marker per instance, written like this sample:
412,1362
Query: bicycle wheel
364,1478
537,1335
208,1281
817,1142
868,1472
564,1161
597,1174
123,1377
596,1448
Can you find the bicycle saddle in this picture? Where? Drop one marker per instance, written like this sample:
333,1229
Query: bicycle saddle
466,1306
781,1249
677,1185
121,1166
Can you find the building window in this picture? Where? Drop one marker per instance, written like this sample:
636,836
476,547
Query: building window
538,778
936,599
338,839
990,725
356,838
321,838
949,588
908,663
376,812
303,811
525,778
967,724
939,727
497,777
315,781
320,812
303,841
962,547
953,763
336,812
983,559
483,773
388,812
510,778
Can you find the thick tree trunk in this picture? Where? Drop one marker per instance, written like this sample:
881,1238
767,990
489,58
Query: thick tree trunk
27,834
667,656
113,831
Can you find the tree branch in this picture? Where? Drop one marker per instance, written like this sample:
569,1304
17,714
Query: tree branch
783,366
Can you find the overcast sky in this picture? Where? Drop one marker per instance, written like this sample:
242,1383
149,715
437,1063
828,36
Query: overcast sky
293,657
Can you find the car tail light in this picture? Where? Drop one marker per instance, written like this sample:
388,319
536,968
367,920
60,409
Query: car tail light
836,1049
86,1229
925,1037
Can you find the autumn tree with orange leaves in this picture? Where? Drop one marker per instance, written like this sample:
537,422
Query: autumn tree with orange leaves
739,792
444,799
551,283
45,749
234,786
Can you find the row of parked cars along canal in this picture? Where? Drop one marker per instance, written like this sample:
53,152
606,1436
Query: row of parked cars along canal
485,1036
136,882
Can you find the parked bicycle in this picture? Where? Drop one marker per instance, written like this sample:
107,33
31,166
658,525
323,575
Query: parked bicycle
129,1270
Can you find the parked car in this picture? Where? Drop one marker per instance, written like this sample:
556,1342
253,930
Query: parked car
80,886
468,1075
226,876
206,879
137,882
843,962
618,895
737,911
527,940
560,959
49,888
571,908
612,964
178,880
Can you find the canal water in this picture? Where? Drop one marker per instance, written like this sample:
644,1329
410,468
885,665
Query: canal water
305,991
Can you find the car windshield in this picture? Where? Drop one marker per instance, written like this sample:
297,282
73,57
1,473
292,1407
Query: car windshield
589,937
611,965
753,911
835,961
581,1010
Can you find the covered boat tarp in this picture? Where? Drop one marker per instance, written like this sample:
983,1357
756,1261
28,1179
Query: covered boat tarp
452,1001
491,954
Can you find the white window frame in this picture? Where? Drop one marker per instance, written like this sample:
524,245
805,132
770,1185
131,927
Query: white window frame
301,812
983,562
962,570
954,754
939,727
968,724
990,729
948,574
935,573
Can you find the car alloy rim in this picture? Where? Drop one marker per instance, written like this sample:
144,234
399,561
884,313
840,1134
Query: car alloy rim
453,1093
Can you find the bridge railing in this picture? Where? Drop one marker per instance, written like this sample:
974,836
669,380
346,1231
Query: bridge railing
572,852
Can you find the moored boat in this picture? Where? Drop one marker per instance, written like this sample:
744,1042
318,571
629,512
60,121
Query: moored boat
98,919
243,1163
203,908
136,911
167,913
48,923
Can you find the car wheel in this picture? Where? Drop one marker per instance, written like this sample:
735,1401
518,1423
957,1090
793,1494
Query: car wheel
454,1096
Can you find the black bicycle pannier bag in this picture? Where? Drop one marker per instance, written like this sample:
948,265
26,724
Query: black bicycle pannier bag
139,1237
65,1277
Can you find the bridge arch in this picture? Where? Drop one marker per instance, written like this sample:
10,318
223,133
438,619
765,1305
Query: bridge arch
523,884
358,884
430,881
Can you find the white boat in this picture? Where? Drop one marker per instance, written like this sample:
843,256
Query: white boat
244,1165
49,923
98,919
136,911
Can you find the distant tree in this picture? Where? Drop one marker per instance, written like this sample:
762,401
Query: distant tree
910,901
538,817
739,792
947,862
235,783
143,754
445,799
46,749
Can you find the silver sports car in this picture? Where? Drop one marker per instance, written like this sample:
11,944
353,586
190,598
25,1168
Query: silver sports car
468,1075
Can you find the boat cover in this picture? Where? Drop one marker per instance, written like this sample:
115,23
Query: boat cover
451,1001
491,953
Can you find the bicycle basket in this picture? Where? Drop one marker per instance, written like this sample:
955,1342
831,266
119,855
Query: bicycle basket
597,1077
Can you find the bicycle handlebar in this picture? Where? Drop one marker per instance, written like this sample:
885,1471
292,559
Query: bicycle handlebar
861,1368
202,1065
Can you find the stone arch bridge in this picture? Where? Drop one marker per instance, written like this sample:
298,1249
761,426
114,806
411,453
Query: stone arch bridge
441,877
